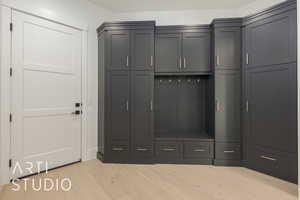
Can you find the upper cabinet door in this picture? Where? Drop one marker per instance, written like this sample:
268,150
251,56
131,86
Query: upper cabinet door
272,40
196,52
118,50
142,48
227,48
168,52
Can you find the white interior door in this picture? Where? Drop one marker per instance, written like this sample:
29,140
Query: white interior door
46,84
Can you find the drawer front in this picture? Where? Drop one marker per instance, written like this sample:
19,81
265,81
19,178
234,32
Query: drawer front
169,149
198,150
276,164
142,151
228,151
119,151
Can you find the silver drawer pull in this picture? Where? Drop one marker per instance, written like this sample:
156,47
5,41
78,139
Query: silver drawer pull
151,64
199,150
184,63
179,62
218,60
169,149
142,149
268,158
127,61
229,151
117,149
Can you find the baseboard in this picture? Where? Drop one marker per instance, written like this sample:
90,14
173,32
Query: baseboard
92,153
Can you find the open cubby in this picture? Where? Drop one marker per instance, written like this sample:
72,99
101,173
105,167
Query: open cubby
182,107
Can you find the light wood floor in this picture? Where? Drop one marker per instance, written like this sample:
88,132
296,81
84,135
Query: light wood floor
94,180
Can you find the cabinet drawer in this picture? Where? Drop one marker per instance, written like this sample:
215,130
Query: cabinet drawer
142,151
228,151
198,150
281,165
168,149
119,150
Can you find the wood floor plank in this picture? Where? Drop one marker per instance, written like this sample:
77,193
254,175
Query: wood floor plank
94,180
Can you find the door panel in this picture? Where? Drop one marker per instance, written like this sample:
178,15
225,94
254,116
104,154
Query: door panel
196,52
228,97
228,48
142,48
271,93
272,41
142,107
118,50
46,58
168,53
118,87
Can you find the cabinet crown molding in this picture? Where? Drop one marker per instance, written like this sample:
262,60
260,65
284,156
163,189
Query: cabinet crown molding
126,25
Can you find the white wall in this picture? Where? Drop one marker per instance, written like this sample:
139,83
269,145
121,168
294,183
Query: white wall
184,17
256,6
81,14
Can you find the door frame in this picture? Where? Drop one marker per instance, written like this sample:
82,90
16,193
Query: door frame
5,90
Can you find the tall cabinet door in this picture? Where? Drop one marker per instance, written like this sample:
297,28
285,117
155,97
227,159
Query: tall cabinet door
168,52
118,114
228,48
118,50
228,97
196,52
142,50
142,84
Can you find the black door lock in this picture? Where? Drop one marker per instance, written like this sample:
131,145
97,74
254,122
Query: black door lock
76,112
77,105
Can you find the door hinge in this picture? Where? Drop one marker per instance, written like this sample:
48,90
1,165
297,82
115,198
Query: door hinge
10,71
11,27
10,117
10,163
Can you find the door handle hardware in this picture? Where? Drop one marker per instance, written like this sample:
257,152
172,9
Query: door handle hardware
76,112
218,60
247,106
127,105
231,151
151,106
247,59
268,158
151,64
127,61
169,149
199,150
142,149
217,105
184,63
179,62
117,149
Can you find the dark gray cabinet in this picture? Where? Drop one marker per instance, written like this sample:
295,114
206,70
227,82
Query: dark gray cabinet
118,48
196,50
227,90
228,101
142,50
142,113
270,91
118,99
168,52
227,48
184,49
271,40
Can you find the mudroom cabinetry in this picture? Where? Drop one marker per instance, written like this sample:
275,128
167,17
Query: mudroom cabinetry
222,94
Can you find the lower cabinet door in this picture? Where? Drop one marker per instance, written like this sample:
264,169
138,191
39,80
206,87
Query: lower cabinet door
168,151
228,151
278,164
142,85
142,153
118,151
194,150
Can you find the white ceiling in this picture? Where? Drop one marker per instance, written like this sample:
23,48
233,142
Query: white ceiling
163,5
